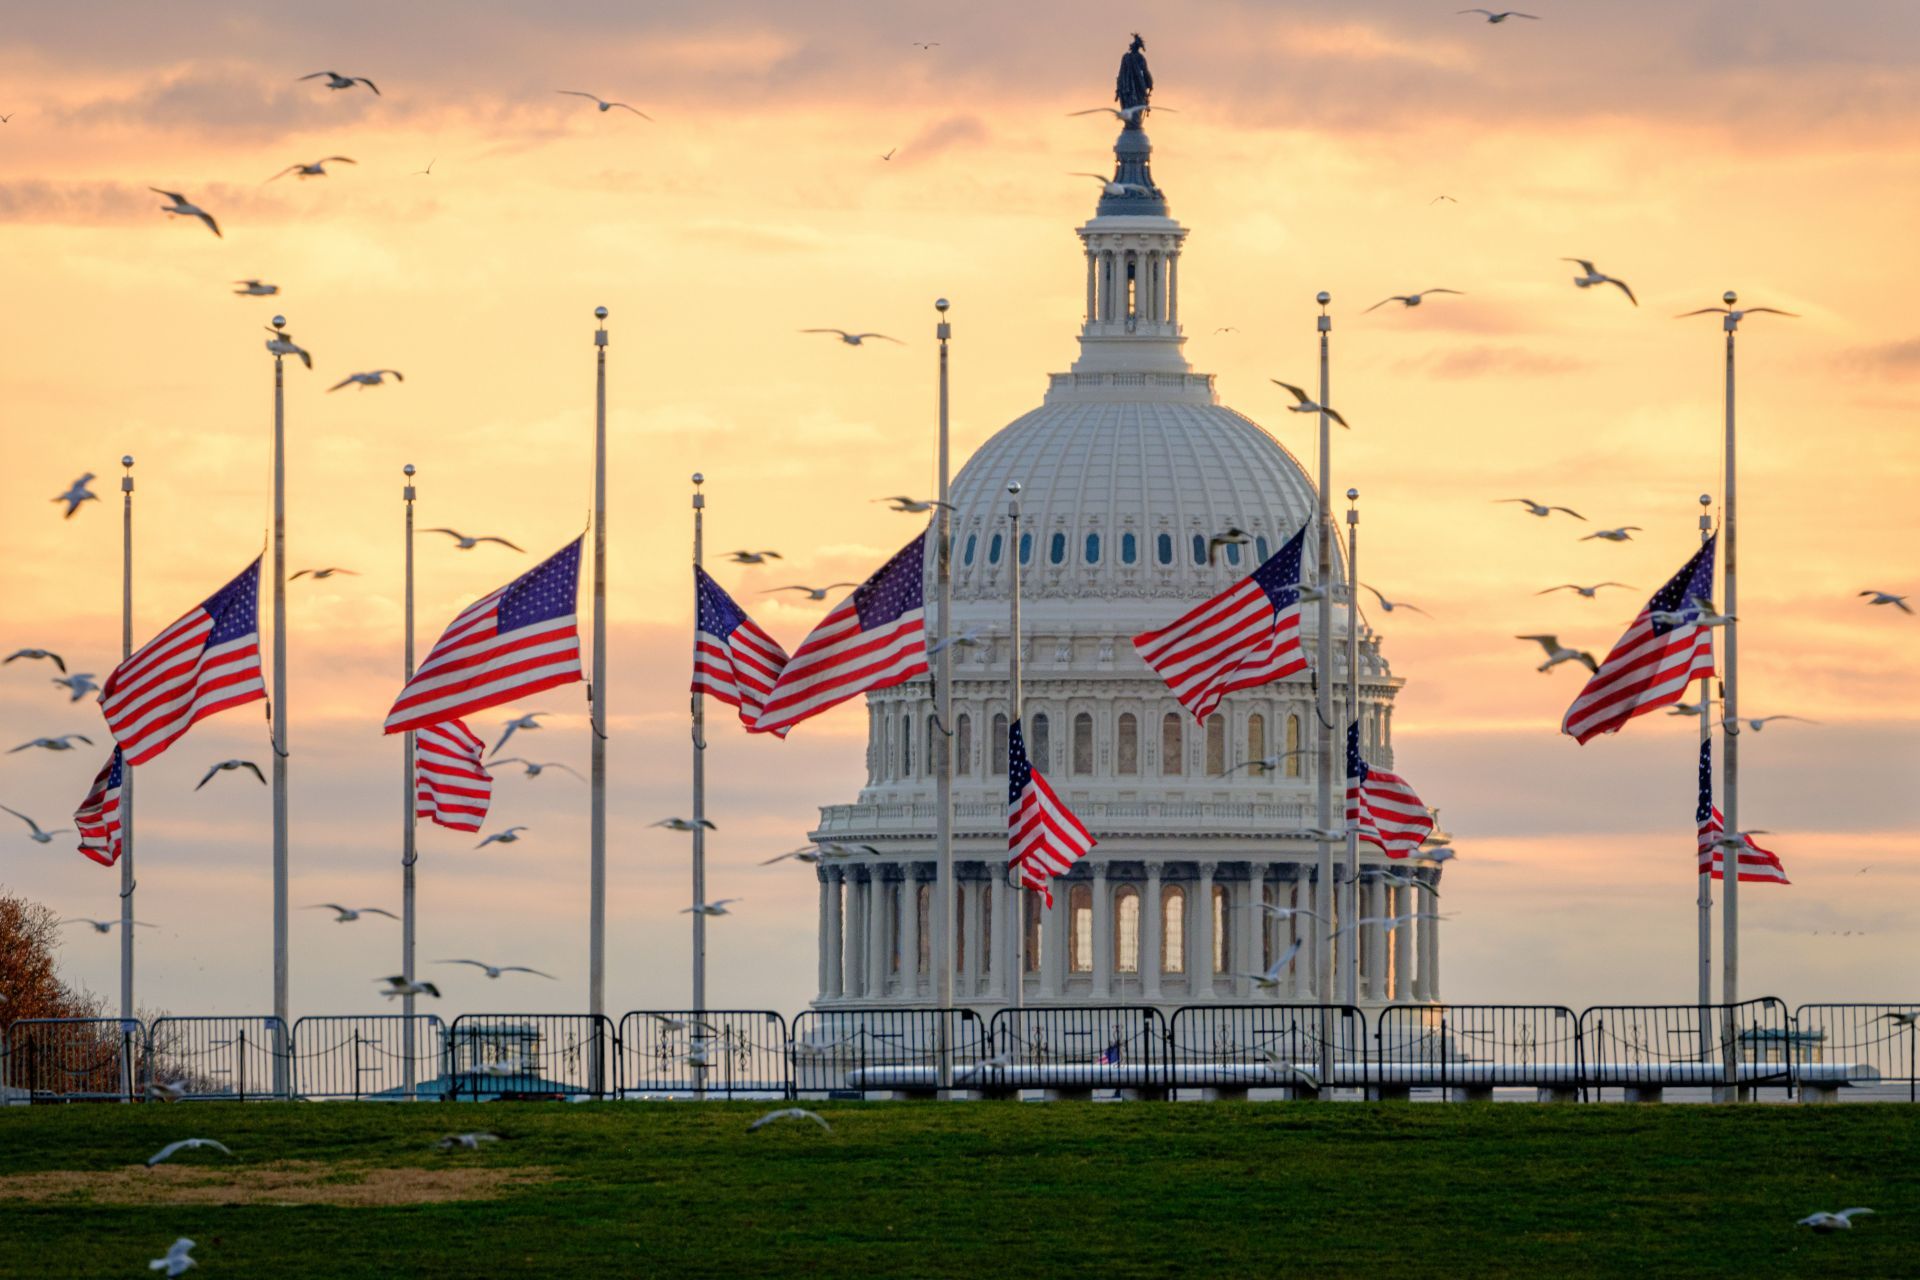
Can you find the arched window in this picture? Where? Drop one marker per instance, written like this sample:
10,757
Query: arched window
1172,762
1294,758
906,744
1026,548
1080,935
1199,549
1216,744
1256,737
1126,930
1093,548
993,550
973,540
1233,553
1040,742
1222,924
1163,548
1034,903
1259,545
1173,929
1129,548
1126,746
1057,548
963,744
1000,746
1083,745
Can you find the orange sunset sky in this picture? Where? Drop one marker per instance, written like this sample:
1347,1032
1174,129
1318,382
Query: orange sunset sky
1688,147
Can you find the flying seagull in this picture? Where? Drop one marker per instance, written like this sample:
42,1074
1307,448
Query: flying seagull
602,103
1287,913
495,970
971,636
62,743
78,685
509,836
398,985
177,1259
1268,764
1305,403
371,378
1271,978
428,171
466,543
1407,299
529,722
337,81
889,155
1113,186
186,1144
104,926
752,557
227,766
256,289
1388,606
1824,1222
320,574
1126,115
1736,315
35,655
347,915
38,836
1558,653
809,854
1540,509
1231,536
1501,15
318,169
1595,276
684,824
1586,593
1622,534
1697,613
790,1113
926,44
282,344
912,506
856,339
1879,597
166,1090
76,493
185,208
813,593
718,908
465,1141
1438,199
1733,723
534,768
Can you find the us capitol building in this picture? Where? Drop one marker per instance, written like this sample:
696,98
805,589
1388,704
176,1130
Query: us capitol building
1128,466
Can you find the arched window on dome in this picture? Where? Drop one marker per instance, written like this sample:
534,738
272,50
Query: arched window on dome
1260,546
1083,745
963,744
906,744
1080,936
1222,926
1256,737
1000,746
1026,548
993,550
1040,742
1173,928
973,542
1126,745
1172,760
1216,744
1129,548
1093,548
1163,548
1057,548
1126,930
1199,549
1294,757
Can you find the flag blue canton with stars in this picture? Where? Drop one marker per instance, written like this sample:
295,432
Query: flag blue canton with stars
716,612
1357,770
235,608
895,590
1279,576
1693,582
544,593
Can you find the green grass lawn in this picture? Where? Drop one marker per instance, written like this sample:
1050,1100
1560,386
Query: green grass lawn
906,1189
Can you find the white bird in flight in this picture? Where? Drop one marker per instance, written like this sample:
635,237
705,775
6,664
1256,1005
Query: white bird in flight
34,655
1737,314
1286,913
466,1141
1824,1222
182,207
465,543
105,926
1698,613
1879,597
256,289
186,1144
912,506
813,593
1305,403
1267,764
602,103
1558,653
78,685
530,721
318,169
1113,186
1586,593
1123,114
76,493
1733,723
282,344
752,557
1271,978
166,1090
62,743
811,854
790,1113
337,81
1540,509
534,768
1388,606
1622,534
684,824
347,915
857,339
1407,299
717,908
1501,15
495,970
177,1260
319,575
38,836
228,766
970,636
1595,276
398,985
371,378
510,836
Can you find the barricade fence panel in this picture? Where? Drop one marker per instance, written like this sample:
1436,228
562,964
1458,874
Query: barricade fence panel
73,1059
1643,1047
380,1056
219,1059
849,1051
1477,1047
718,1053
1077,1048
530,1055
1275,1046
1870,1047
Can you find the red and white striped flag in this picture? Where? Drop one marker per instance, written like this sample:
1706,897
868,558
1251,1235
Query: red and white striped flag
1247,635
205,662
98,817
1044,839
874,639
1654,662
507,644
1757,865
1381,806
733,659
451,782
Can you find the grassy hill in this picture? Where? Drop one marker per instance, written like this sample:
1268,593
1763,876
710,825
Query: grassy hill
908,1189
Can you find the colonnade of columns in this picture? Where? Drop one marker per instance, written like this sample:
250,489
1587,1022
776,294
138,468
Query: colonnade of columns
1156,286
872,947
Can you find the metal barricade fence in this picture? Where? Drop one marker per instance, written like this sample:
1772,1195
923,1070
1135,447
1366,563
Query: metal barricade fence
531,1055
1477,1048
1271,1046
1864,1045
846,1051
1079,1048
225,1059
366,1056
716,1053
1652,1047
73,1059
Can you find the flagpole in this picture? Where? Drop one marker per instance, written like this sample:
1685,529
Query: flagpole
1017,978
1704,899
1323,581
597,701
278,711
943,896
127,882
699,777
1730,743
1350,990
409,852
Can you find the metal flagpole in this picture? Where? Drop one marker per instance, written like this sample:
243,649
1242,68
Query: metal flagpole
409,852
126,774
1323,655
1017,978
278,711
597,703
699,782
1705,897
944,896
1350,990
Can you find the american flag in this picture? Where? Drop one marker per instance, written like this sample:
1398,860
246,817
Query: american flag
507,644
1247,635
451,783
1756,864
874,639
98,817
1381,806
1044,838
207,661
733,659
1655,660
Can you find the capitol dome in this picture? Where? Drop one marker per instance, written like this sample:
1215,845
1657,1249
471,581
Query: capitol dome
1127,470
